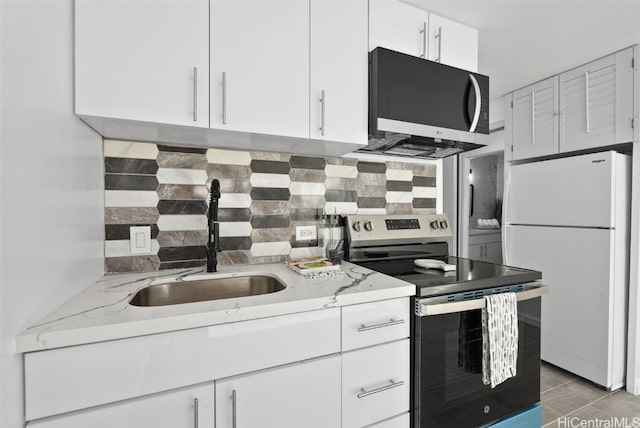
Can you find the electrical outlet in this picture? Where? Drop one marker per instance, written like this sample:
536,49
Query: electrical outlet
306,233
140,239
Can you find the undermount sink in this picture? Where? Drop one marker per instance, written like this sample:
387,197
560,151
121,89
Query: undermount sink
200,290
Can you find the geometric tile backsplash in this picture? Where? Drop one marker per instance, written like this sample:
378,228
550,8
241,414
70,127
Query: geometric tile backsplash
264,197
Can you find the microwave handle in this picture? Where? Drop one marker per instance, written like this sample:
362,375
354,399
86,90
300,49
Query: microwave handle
476,113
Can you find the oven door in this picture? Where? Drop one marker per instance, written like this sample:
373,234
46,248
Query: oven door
448,389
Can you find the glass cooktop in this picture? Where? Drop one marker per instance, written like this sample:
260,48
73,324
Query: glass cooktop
469,275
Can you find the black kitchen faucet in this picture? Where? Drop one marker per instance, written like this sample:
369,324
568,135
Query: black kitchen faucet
213,236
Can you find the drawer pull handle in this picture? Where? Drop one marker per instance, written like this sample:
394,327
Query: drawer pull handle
392,384
196,408
384,324
234,409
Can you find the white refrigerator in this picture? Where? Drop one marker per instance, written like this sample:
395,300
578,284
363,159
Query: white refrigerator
569,218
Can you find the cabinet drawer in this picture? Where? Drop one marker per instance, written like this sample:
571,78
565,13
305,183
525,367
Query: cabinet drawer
373,323
485,238
375,383
401,421
165,410
77,377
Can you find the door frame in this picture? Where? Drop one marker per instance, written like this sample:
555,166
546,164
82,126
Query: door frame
464,164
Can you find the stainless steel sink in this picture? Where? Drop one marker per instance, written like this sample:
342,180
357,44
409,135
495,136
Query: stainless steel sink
199,290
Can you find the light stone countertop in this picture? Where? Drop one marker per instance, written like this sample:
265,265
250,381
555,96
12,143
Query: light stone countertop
102,311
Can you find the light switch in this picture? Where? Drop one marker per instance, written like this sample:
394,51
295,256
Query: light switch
140,239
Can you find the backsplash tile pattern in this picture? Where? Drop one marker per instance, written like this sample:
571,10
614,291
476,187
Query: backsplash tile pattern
264,197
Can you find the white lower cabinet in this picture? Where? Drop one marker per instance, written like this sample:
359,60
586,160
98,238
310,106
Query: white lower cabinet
305,394
287,371
486,247
401,421
183,408
375,383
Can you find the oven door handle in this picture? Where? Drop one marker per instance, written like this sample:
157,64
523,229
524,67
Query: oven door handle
424,308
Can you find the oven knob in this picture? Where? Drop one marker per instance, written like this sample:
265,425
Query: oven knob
357,226
368,226
434,224
444,224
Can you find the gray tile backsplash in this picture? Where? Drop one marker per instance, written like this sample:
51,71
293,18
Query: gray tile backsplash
264,197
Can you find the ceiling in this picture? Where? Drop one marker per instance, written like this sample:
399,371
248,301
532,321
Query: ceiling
523,41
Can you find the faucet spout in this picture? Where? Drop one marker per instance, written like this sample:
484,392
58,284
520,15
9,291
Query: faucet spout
213,235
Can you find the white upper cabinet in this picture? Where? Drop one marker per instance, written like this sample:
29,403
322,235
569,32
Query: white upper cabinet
399,27
535,120
339,71
143,60
452,43
404,28
260,66
595,110
588,107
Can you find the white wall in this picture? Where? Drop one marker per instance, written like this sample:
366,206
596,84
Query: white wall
51,185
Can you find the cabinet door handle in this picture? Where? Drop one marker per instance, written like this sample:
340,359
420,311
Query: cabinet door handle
384,324
586,101
196,408
392,384
424,40
195,94
439,37
533,117
322,103
224,98
234,408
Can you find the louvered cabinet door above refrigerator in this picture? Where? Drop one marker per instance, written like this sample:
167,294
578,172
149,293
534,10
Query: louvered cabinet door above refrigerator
596,103
535,120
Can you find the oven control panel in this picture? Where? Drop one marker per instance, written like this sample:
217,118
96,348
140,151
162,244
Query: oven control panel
398,226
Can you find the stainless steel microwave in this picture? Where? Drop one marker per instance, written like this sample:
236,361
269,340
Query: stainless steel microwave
418,105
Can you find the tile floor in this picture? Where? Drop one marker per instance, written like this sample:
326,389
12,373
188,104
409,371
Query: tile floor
568,401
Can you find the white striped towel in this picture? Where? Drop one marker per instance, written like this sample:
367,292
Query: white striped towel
499,338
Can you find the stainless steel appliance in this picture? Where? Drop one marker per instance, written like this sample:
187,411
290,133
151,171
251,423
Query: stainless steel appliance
424,109
447,387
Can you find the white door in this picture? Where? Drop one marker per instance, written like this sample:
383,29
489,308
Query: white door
577,314
535,120
182,408
143,60
339,71
594,109
260,66
399,27
305,394
452,43
573,191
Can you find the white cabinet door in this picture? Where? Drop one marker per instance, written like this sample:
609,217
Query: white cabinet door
476,251
594,109
535,120
305,394
183,408
339,71
452,43
143,60
399,27
260,66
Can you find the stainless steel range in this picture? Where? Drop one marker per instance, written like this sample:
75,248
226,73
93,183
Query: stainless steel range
447,387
